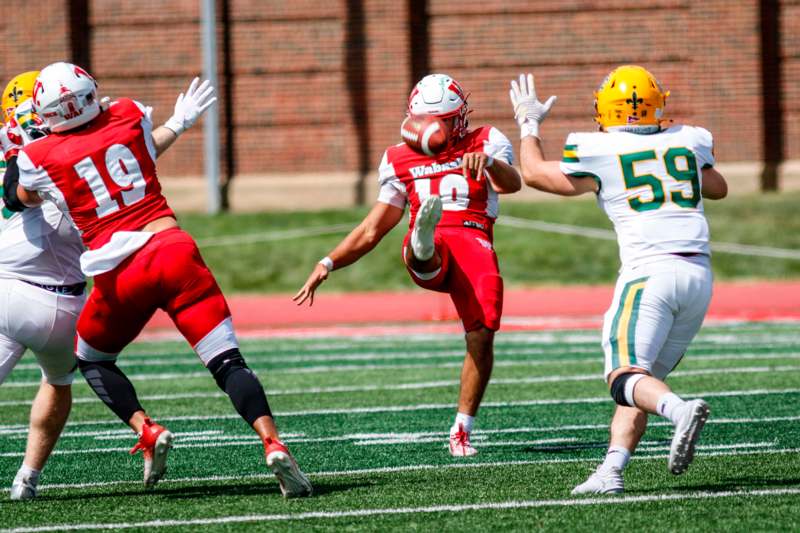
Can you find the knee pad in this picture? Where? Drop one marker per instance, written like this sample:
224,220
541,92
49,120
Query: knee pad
622,388
226,364
240,384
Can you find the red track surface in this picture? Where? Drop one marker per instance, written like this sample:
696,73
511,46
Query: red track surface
580,306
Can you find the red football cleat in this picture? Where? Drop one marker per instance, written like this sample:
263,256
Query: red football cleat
293,482
459,443
155,442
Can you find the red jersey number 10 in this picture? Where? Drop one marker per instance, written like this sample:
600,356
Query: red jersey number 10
124,170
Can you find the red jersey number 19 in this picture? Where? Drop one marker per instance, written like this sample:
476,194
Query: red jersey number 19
124,170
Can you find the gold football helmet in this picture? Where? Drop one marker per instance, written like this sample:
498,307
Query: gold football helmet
17,91
630,97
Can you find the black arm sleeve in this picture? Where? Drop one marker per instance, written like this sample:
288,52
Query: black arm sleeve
10,182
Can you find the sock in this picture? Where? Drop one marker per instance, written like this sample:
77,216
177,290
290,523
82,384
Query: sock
668,405
466,422
26,472
616,457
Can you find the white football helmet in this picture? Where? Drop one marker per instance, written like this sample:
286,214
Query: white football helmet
441,96
65,96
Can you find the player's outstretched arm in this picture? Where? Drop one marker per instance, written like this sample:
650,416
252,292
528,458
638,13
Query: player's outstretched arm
189,107
545,175
378,222
537,172
714,185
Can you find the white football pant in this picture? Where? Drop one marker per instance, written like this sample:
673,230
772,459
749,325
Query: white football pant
32,317
657,310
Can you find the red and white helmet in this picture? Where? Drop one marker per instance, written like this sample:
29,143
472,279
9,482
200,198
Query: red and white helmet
65,96
441,96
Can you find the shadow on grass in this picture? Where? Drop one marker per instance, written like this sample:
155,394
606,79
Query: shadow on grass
320,489
739,483
199,492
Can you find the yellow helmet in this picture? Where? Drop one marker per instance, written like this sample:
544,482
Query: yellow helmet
17,91
630,97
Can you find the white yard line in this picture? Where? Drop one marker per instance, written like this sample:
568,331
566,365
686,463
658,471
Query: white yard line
533,379
609,235
418,407
256,361
478,434
452,508
406,468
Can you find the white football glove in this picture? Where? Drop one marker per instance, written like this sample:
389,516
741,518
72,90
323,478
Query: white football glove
528,110
189,106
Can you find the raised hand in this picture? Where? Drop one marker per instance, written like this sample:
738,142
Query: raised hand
528,110
191,105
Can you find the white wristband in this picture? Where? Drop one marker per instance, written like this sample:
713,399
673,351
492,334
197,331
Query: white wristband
175,125
327,262
529,128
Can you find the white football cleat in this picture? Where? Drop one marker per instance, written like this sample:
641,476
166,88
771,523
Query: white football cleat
293,482
602,481
155,442
22,489
687,432
459,443
429,214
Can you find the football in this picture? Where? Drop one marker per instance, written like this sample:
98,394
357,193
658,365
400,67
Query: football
425,134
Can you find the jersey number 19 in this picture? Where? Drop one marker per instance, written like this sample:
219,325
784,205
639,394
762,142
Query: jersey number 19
124,170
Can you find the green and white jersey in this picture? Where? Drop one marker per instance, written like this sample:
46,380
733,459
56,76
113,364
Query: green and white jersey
649,187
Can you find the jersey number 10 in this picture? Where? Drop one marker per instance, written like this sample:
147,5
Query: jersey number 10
124,170
632,180
453,190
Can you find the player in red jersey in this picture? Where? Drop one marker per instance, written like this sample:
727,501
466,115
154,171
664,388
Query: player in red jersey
453,204
99,166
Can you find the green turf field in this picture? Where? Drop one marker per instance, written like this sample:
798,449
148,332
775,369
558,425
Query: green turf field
367,417
274,253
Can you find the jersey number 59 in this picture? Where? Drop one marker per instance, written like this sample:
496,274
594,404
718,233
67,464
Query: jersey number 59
671,158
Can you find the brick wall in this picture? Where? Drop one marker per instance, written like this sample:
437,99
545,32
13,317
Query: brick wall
294,108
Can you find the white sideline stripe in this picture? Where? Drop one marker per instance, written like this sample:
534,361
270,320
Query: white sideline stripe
280,235
515,504
424,407
420,385
404,468
609,235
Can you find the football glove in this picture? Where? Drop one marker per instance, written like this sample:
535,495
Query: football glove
191,105
528,110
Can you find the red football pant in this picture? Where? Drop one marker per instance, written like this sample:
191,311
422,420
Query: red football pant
469,274
166,273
